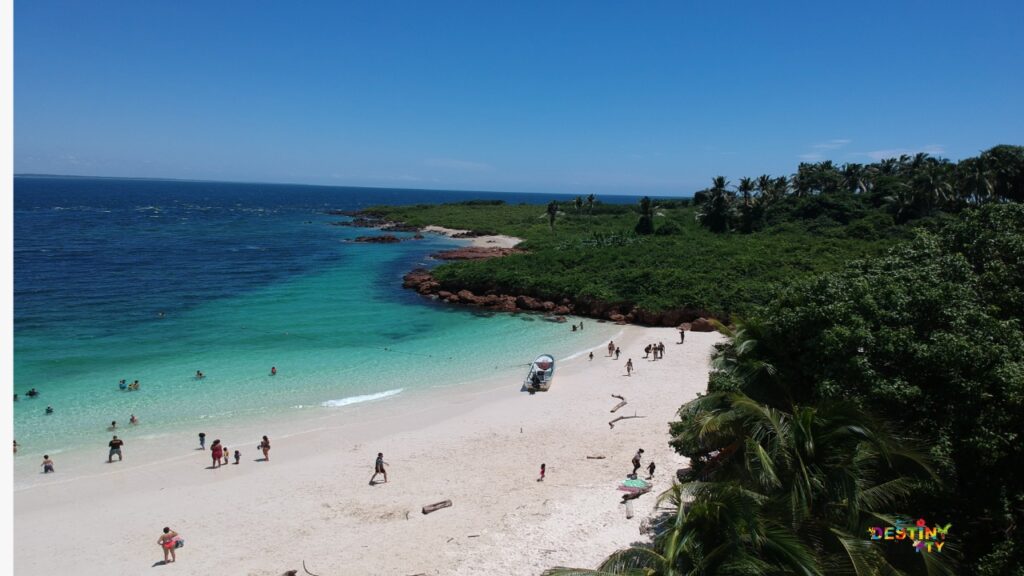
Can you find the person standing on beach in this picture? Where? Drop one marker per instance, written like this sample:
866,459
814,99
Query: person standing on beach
636,462
168,541
591,356
661,350
216,452
115,445
202,440
650,470
611,347
629,367
238,456
265,447
226,453
543,468
682,335
617,352
47,464
378,468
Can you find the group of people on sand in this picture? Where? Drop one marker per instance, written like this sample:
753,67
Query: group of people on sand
124,385
221,454
613,350
658,350
637,463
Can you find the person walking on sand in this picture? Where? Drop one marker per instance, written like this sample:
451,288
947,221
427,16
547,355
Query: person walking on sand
265,447
378,468
661,350
238,456
591,356
650,470
682,335
168,541
202,440
636,462
216,452
47,464
115,445
227,453
543,469
611,347
629,367
617,352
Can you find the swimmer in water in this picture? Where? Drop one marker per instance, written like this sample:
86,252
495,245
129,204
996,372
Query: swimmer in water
113,425
199,375
133,420
122,385
49,409
273,370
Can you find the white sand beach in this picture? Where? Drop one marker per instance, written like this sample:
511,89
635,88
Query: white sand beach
480,446
492,241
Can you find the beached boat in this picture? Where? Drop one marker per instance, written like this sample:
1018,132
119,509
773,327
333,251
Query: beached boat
541,372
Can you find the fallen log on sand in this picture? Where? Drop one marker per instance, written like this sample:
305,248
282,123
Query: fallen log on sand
612,423
620,404
595,457
436,506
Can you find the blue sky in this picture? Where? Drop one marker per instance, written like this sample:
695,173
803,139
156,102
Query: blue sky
575,97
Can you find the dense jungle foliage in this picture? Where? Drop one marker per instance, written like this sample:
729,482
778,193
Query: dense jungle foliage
666,254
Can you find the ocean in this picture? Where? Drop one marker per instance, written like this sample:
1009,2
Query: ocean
154,280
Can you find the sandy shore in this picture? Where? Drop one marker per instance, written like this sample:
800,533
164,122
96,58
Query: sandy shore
480,446
494,241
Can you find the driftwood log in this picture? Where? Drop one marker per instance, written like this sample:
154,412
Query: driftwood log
612,423
436,506
595,457
620,404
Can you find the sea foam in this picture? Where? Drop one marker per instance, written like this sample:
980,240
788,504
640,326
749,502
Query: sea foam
358,399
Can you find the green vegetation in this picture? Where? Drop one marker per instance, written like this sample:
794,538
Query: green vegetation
907,188
895,385
596,254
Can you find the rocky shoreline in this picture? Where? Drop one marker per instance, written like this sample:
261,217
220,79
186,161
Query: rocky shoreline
423,282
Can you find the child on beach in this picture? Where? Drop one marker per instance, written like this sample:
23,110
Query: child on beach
650,470
47,464
238,456
543,468
591,355
226,453
617,352
202,440
629,367
378,468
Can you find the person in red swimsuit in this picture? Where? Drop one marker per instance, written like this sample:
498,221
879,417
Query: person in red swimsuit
217,452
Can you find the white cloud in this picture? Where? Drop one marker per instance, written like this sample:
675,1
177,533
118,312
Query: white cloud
810,157
933,149
453,164
832,144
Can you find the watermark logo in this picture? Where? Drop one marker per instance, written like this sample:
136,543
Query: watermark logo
924,538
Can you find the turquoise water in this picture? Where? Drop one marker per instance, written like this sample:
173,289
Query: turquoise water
245,281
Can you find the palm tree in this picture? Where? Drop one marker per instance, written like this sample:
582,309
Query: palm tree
552,211
717,211
578,203
645,225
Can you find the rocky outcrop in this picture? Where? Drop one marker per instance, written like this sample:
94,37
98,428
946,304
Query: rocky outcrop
385,239
702,325
475,253
422,281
